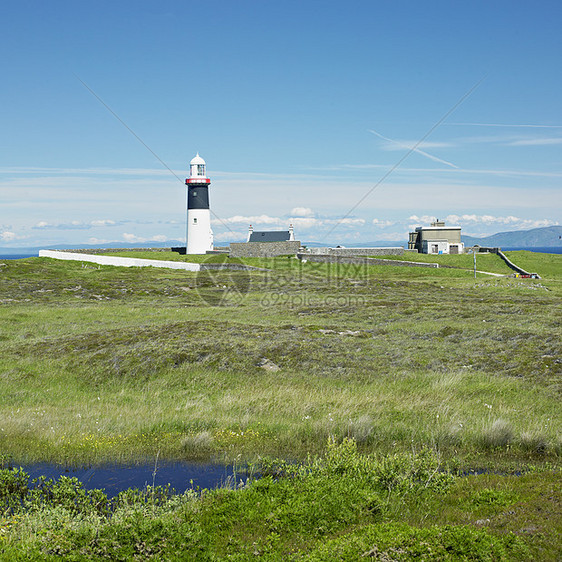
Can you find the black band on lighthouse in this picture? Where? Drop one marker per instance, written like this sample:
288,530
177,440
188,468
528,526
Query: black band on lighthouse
197,197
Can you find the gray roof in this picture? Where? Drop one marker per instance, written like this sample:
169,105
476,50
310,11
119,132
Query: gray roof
269,236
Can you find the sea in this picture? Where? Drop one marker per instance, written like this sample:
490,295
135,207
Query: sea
17,256
539,249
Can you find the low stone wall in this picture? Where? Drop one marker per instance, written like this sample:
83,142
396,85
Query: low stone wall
507,261
117,261
235,266
363,261
510,264
390,251
263,249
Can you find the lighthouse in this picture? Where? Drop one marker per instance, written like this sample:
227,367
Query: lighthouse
199,233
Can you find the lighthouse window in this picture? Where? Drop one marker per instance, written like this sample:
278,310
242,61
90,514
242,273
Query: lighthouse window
194,221
195,194
200,170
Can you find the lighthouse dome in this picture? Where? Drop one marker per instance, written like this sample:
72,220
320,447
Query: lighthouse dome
197,160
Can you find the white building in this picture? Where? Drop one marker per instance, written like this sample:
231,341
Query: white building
436,239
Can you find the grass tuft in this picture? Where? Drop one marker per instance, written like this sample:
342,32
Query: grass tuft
497,435
534,442
361,430
198,444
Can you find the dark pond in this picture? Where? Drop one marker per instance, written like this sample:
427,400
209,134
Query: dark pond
115,478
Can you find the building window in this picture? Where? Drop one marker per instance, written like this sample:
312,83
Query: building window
194,221
195,194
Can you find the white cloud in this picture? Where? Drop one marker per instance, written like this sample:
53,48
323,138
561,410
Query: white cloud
347,221
304,222
311,222
7,236
302,212
423,219
485,223
230,236
382,223
77,225
73,225
510,220
254,219
300,223
132,237
103,222
538,223
496,199
536,142
98,241
296,221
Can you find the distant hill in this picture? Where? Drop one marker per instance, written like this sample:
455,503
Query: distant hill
147,244
376,244
549,237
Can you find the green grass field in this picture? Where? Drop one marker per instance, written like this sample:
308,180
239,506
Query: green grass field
105,364
484,262
548,266
390,356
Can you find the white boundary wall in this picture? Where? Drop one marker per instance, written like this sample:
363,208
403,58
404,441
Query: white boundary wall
122,262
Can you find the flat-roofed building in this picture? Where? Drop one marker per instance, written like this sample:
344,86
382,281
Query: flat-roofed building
436,239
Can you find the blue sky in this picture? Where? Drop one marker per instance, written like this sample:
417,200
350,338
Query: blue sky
299,108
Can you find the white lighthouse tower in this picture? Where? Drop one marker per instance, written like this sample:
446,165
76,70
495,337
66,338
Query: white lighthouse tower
199,233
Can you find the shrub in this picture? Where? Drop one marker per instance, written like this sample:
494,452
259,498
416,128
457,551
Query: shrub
14,485
400,542
68,493
398,472
491,497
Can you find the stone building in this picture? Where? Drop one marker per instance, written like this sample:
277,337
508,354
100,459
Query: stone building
266,244
271,235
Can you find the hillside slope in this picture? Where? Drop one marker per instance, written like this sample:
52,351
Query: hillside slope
550,236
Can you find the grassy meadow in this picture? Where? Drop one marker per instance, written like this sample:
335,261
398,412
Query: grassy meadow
311,363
